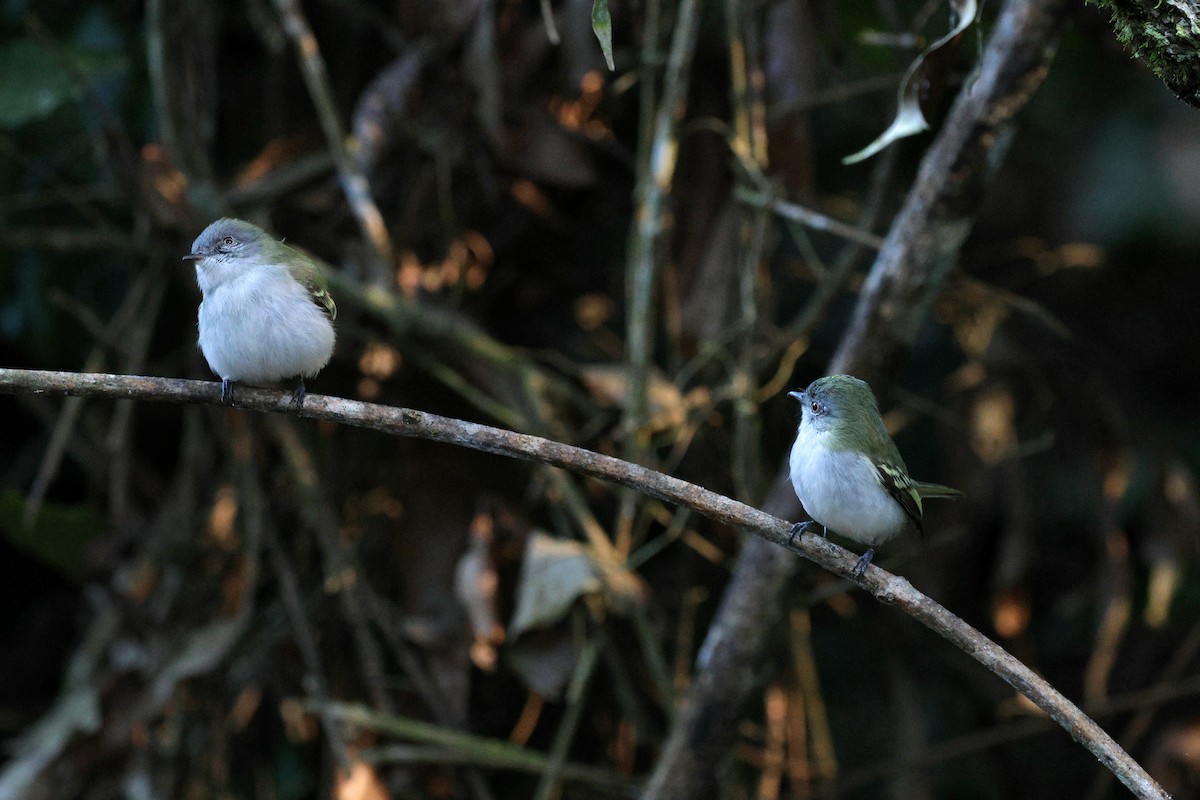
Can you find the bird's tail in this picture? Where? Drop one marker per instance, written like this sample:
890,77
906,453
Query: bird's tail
935,490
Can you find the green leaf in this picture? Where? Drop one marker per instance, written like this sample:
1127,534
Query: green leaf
602,25
37,78
58,535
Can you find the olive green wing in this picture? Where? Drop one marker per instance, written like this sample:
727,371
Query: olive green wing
312,277
902,489
936,490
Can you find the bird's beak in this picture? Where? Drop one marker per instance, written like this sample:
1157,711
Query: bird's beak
192,257
798,395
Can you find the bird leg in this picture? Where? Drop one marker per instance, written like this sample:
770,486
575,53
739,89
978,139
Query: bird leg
227,391
801,527
863,562
298,395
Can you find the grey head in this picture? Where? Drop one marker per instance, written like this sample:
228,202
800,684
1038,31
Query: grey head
835,399
225,242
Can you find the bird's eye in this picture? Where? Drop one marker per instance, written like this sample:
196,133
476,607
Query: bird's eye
815,406
229,241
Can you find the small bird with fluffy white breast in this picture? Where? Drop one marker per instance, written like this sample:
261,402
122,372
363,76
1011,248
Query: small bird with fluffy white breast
847,471
266,314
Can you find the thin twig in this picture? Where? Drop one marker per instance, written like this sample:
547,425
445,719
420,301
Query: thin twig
1024,728
256,518
657,161
887,588
917,254
843,266
321,520
548,21
654,186
357,603
467,748
809,218
804,663
354,182
749,143
118,440
65,426
181,63
314,682
1137,727
576,696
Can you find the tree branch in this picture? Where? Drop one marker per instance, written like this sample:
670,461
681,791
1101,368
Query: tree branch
1166,35
887,588
919,250
354,182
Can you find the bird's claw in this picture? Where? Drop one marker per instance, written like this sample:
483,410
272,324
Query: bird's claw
797,529
863,562
298,396
801,527
227,391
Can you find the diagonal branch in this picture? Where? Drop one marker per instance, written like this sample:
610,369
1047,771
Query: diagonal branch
354,182
887,588
918,252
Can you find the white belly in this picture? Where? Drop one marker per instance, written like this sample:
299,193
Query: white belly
842,491
262,328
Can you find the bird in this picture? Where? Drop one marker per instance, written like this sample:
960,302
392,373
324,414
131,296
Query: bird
846,469
266,313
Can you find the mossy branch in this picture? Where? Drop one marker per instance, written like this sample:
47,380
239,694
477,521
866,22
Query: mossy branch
1166,35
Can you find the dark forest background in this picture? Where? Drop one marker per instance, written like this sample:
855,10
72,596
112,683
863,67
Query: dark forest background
206,603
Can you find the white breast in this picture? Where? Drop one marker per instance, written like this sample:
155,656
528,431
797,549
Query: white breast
263,327
842,491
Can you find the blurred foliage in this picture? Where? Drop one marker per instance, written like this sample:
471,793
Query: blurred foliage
37,80
1055,384
58,535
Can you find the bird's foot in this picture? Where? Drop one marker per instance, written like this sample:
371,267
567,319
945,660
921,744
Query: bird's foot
799,528
227,391
298,396
863,562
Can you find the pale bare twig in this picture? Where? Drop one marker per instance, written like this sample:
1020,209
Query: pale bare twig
917,253
889,589
809,218
354,183
748,141
654,185
658,151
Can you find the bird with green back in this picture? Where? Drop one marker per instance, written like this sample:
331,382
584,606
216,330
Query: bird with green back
847,471
266,314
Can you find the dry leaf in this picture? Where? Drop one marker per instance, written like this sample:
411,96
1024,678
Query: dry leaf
554,574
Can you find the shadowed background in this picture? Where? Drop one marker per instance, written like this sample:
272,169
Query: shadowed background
181,557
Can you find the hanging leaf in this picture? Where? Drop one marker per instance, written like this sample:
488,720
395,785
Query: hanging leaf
909,118
554,574
602,25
